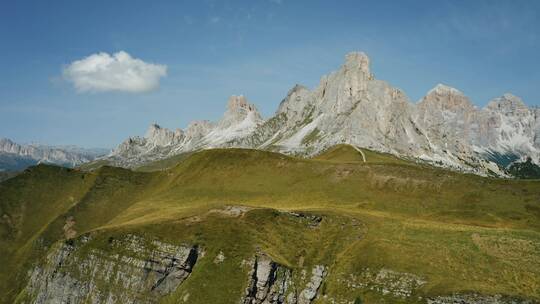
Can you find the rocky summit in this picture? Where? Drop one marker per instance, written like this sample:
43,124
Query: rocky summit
351,106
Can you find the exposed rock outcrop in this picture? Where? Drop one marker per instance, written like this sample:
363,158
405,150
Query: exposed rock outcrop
308,294
312,220
128,270
271,283
159,136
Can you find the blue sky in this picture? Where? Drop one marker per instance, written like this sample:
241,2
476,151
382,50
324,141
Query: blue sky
259,48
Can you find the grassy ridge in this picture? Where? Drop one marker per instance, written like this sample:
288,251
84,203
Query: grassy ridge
347,154
458,232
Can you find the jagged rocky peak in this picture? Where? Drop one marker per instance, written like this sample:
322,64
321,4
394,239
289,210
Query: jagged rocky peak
240,120
357,61
355,72
153,129
8,146
297,92
239,103
508,104
339,91
295,101
446,98
515,125
198,128
159,136
238,110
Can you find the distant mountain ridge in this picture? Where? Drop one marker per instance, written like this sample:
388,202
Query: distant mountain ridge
351,106
15,157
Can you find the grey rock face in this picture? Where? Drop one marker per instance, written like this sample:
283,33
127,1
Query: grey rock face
310,292
515,125
536,112
131,270
269,282
351,106
445,115
238,110
159,136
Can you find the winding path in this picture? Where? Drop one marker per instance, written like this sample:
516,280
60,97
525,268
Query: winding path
358,149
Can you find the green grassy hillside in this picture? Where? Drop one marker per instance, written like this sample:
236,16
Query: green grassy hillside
454,233
164,163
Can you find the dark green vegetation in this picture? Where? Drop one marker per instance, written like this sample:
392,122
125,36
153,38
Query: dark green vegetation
525,170
456,233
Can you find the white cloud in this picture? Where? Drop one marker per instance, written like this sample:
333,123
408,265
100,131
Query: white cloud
102,72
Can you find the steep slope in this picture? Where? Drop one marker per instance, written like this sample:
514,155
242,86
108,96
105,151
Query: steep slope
28,204
351,106
231,225
16,157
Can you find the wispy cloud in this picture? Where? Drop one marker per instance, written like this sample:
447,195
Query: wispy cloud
215,19
102,72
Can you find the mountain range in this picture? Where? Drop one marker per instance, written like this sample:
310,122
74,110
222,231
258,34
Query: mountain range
351,106
16,157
